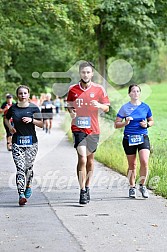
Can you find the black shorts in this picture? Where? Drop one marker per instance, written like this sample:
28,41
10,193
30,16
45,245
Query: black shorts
83,139
47,116
130,150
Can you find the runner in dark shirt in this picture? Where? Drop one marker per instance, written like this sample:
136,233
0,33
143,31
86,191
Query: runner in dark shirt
47,112
17,113
4,109
25,116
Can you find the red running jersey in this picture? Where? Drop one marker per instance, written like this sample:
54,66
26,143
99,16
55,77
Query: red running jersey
87,115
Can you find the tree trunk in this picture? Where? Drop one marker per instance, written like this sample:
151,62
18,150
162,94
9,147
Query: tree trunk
102,57
102,70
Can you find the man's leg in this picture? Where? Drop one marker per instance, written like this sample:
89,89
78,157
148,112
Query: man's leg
81,172
50,124
89,173
81,166
89,169
47,125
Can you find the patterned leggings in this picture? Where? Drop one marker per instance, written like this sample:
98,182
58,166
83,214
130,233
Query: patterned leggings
24,159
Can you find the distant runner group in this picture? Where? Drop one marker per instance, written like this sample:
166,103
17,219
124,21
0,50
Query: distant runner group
84,101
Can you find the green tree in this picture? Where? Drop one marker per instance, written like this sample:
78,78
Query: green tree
37,36
129,29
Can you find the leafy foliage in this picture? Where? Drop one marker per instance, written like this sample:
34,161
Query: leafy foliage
38,36
128,29
42,35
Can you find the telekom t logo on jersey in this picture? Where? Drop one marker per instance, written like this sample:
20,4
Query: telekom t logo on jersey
79,102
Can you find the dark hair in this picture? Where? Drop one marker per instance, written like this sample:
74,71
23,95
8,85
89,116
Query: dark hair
86,64
133,85
22,86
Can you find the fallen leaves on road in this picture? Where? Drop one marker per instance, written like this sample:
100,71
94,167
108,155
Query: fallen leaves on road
154,225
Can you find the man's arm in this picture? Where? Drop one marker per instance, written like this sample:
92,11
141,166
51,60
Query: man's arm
72,112
103,107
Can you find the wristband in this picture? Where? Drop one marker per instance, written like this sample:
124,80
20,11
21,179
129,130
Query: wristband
32,120
148,125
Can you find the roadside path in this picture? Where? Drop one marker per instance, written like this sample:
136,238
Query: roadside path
53,220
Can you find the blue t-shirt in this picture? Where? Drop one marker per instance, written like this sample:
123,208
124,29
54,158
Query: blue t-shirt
138,113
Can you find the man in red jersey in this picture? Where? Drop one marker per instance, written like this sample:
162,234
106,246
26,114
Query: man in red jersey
84,101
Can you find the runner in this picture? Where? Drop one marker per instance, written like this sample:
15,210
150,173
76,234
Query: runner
136,117
25,116
47,112
35,100
4,109
84,100
57,104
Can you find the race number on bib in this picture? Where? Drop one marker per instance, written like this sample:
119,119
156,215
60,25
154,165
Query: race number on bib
83,122
136,139
24,141
48,106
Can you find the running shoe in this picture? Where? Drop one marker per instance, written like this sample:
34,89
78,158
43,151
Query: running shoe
83,197
132,192
143,191
28,192
22,199
88,194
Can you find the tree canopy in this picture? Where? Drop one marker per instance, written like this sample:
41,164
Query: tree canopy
37,36
42,35
129,29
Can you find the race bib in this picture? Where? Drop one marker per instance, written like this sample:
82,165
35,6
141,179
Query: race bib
136,139
24,141
48,106
83,122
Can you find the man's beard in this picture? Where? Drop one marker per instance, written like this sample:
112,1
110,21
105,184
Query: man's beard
85,82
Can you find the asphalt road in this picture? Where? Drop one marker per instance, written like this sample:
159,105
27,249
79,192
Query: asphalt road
53,220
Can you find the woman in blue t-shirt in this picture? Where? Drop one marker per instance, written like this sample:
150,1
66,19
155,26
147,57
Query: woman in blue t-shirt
136,117
25,116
